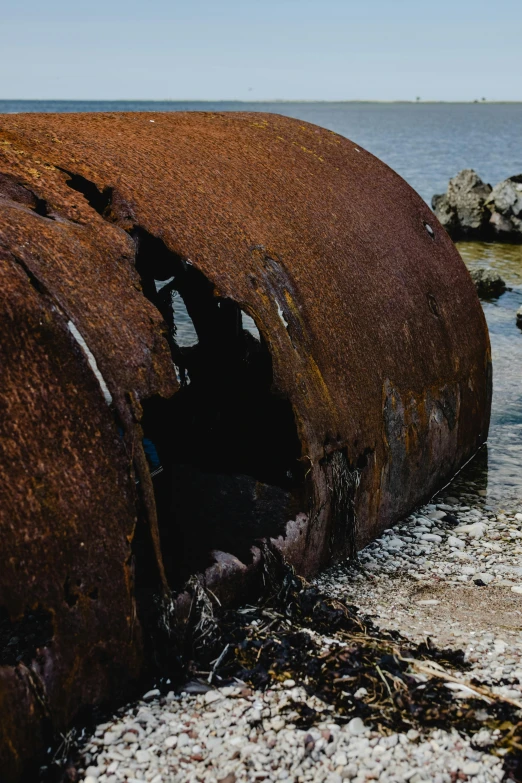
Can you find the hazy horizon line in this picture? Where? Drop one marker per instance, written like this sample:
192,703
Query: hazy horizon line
245,100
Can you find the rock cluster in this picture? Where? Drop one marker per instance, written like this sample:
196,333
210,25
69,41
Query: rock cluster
472,209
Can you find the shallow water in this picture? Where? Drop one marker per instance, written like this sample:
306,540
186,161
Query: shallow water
426,144
503,478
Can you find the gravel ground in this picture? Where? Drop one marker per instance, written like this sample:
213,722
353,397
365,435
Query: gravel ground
452,572
236,734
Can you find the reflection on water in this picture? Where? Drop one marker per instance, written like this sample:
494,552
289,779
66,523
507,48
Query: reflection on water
499,470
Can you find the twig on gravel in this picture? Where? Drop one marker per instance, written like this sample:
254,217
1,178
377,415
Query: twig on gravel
480,690
218,662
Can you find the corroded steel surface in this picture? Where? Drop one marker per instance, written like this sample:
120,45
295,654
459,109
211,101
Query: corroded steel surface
376,335
67,626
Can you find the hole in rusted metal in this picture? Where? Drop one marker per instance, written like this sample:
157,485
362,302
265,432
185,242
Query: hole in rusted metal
98,200
429,229
227,441
228,445
33,280
186,335
432,304
250,326
14,191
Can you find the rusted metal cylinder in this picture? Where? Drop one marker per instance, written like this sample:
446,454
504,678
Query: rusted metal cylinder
373,357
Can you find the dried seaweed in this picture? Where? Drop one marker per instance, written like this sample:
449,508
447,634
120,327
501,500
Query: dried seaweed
296,632
392,684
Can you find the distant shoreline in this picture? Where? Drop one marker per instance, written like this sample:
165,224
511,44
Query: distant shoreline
241,101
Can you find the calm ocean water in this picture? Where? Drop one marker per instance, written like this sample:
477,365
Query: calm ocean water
426,144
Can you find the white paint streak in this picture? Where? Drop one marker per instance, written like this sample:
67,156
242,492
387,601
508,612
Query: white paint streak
281,314
92,361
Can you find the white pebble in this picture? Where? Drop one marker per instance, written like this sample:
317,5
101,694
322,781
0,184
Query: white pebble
356,726
476,530
150,695
456,542
486,578
212,696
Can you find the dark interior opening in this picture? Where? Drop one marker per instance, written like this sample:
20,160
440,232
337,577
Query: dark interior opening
223,452
227,441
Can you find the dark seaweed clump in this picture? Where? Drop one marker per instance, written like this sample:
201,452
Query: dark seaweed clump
277,639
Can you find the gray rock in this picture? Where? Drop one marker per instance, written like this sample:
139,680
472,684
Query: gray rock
432,537
505,205
476,530
472,209
488,283
486,579
461,210
456,542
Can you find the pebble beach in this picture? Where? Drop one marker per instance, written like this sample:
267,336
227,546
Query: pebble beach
451,573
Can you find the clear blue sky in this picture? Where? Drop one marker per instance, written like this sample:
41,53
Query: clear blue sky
261,49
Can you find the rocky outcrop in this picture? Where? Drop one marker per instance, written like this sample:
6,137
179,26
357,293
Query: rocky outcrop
472,209
488,283
461,210
505,206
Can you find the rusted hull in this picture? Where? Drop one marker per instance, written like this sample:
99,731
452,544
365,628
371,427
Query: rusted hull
375,335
